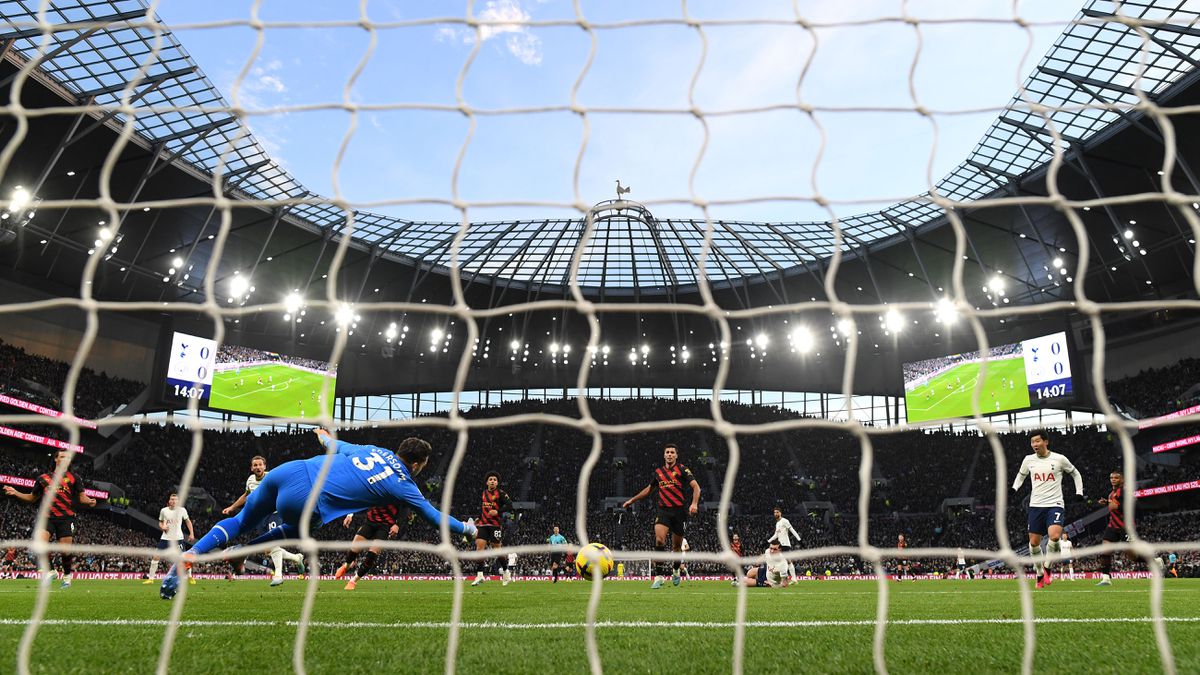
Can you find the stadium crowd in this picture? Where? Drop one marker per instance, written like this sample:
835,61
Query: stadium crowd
239,354
811,473
40,380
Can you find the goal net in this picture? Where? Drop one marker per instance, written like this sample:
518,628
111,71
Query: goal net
763,216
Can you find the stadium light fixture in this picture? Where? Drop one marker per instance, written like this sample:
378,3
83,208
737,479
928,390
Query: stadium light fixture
19,200
1129,234
293,302
802,340
177,262
845,327
238,286
893,321
996,283
604,350
514,345
633,357
436,335
344,314
566,349
761,340
944,312
553,347
106,234
1058,262
645,349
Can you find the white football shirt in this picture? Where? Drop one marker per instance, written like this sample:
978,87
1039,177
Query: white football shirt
961,559
174,519
1067,546
512,559
1046,475
782,527
253,481
777,567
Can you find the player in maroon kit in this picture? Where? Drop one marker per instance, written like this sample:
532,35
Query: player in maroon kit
491,531
1115,530
668,482
61,524
381,524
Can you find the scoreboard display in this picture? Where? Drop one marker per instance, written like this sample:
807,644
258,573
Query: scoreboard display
1047,367
191,365
1032,373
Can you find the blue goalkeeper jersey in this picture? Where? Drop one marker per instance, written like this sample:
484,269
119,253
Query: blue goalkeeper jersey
363,476
557,540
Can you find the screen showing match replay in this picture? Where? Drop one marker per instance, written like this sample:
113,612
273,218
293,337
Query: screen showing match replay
248,380
1020,375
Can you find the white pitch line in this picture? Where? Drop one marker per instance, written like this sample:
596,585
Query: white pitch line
355,625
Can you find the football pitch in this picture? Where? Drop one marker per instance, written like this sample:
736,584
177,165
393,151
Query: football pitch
536,627
285,391
949,395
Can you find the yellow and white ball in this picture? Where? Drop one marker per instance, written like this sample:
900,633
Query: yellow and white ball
594,559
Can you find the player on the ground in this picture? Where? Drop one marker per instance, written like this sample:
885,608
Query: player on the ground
783,527
1115,530
557,554
772,573
902,569
381,524
668,482
61,522
358,478
171,519
1046,504
491,531
1068,551
258,471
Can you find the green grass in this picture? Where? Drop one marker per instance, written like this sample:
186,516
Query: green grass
1099,646
934,401
291,396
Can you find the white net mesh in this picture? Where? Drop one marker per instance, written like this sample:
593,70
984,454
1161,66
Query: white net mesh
1126,54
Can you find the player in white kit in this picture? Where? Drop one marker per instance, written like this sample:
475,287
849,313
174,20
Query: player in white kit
170,520
258,471
772,573
962,564
1045,470
511,569
1068,554
783,527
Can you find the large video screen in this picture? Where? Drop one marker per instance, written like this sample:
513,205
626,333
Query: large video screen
1020,375
248,380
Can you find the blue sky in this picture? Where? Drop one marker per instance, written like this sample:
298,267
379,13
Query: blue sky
404,154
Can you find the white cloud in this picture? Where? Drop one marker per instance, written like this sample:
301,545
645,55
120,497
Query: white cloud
527,48
503,17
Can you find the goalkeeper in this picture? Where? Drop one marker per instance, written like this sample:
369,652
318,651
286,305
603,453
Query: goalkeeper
360,477
772,573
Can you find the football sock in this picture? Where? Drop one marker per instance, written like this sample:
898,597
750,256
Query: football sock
277,562
660,566
1106,564
350,556
68,563
153,568
293,557
554,573
367,564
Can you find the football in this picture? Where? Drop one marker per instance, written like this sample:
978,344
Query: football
594,561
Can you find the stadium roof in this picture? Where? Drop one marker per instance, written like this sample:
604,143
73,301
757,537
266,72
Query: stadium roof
102,51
